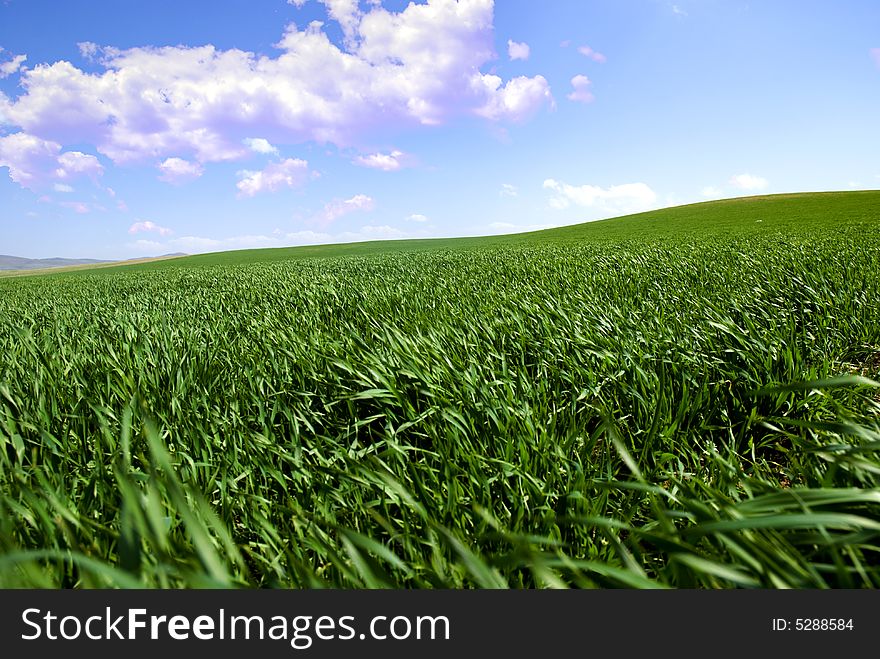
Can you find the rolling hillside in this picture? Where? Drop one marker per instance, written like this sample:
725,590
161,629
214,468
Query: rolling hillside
739,216
854,210
682,398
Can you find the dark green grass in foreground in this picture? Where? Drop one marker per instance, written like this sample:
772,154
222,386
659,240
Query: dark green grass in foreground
614,404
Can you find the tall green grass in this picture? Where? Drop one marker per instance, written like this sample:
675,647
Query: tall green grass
632,406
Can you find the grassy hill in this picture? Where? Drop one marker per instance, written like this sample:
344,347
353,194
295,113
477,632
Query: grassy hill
741,216
680,398
811,211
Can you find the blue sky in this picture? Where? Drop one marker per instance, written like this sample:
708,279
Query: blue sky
136,129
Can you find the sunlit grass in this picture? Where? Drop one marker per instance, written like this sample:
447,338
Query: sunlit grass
685,399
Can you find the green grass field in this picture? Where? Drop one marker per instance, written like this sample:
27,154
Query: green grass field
680,398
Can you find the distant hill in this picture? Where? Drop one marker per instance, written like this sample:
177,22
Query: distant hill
20,263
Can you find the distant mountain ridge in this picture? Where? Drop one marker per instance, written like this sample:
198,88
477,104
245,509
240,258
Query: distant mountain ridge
8,262
20,263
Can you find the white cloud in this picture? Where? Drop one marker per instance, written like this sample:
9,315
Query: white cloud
309,238
508,190
288,173
337,208
177,171
259,145
515,101
581,93
507,227
678,11
13,65
365,233
147,225
35,163
370,232
420,65
748,182
598,57
344,12
75,163
193,244
199,244
387,162
711,192
28,158
417,217
517,50
61,187
89,50
626,198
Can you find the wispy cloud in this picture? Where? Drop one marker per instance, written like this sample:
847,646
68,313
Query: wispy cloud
195,244
9,67
508,190
598,57
365,233
201,244
748,182
338,207
372,232
79,207
148,226
508,227
417,217
144,246
89,50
